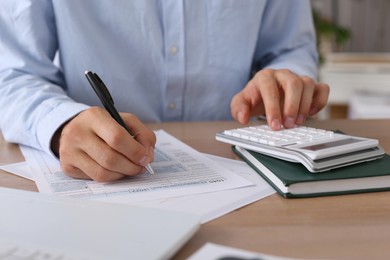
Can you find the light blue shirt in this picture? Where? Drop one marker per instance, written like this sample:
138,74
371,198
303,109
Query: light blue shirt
167,60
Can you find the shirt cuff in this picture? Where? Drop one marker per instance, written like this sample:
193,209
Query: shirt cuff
54,120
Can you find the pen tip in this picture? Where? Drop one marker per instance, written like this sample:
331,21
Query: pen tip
149,169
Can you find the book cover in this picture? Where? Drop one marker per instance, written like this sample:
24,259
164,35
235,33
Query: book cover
294,180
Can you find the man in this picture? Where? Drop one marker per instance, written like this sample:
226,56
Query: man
162,61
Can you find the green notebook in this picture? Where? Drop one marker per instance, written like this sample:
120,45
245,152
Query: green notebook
294,180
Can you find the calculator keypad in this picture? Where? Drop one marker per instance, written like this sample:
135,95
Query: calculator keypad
265,135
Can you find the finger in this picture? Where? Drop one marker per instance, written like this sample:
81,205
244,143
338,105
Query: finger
95,171
141,133
320,98
73,171
76,173
306,100
268,85
117,137
292,87
247,103
77,164
108,158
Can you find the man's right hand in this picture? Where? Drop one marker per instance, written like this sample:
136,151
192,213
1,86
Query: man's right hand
93,145
287,99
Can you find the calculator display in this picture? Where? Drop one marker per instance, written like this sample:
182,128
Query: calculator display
332,144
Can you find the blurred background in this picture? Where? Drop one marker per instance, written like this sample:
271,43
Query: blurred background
354,46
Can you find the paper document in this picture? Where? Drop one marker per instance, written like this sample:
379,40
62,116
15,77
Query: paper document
21,169
212,251
40,226
212,205
207,206
180,170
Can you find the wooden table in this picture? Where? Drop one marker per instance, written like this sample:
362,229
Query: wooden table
343,227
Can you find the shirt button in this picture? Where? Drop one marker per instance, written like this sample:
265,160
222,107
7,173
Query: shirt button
173,50
172,106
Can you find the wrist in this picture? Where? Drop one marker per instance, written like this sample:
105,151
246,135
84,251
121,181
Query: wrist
55,141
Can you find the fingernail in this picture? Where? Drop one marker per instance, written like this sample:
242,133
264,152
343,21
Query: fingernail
300,119
289,122
275,124
312,111
240,116
151,152
144,160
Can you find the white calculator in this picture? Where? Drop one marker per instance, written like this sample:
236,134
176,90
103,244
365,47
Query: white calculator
317,149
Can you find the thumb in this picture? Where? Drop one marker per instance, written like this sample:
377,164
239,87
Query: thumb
240,108
248,102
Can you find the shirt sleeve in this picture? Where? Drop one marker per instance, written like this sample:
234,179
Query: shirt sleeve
287,38
33,97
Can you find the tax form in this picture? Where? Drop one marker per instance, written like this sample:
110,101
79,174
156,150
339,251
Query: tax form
209,206
180,170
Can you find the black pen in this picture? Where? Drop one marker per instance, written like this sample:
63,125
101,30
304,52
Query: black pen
105,97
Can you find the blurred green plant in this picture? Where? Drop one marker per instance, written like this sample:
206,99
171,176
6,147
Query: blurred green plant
327,30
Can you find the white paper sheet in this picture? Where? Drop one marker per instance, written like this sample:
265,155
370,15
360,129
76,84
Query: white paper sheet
180,170
207,206
210,206
211,251
21,169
